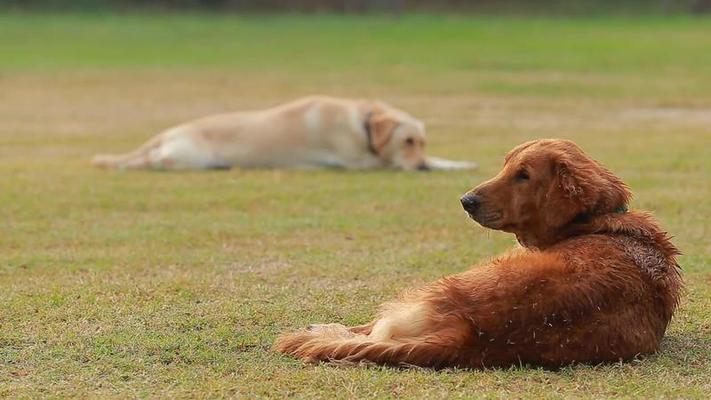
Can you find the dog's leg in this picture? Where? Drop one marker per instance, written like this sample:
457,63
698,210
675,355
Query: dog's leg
343,330
331,330
404,335
182,152
401,319
363,329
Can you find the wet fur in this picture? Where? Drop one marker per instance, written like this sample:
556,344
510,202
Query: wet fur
594,285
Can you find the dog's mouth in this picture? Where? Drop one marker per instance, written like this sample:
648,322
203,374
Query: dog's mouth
490,219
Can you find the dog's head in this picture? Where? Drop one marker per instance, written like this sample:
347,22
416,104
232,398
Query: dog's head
397,138
544,186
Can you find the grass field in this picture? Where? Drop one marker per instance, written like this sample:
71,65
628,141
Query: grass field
176,284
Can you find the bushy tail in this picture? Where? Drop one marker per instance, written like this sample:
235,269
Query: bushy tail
137,159
439,350
108,161
441,164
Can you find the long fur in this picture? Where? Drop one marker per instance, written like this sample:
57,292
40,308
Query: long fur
595,285
433,351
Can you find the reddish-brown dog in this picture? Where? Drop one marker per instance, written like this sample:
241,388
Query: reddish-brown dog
596,283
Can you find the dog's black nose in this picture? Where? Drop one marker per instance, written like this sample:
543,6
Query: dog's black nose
423,167
470,202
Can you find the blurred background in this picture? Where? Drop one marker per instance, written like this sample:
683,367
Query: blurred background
397,7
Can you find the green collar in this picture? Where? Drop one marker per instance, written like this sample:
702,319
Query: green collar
621,209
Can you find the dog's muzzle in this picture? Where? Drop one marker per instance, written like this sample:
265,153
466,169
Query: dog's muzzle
471,202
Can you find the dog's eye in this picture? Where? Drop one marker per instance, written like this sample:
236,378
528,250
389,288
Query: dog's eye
522,176
409,141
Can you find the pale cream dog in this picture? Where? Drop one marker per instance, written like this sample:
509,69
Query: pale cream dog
311,132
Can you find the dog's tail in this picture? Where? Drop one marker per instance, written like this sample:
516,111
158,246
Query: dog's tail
441,164
136,159
440,350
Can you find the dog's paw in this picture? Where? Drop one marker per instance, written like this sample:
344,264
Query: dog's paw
335,330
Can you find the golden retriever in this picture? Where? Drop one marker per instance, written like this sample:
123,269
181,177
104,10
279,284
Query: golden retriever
311,132
595,283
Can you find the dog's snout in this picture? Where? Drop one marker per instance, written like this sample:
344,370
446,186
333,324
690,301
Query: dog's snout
423,167
470,202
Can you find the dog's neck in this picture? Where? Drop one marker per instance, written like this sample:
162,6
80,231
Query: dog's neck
542,236
638,224
535,239
585,218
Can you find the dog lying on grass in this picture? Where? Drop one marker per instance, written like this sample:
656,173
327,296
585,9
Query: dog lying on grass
596,283
312,132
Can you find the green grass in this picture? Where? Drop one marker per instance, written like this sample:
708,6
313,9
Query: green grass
175,285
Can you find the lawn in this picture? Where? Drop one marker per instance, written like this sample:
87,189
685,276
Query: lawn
138,284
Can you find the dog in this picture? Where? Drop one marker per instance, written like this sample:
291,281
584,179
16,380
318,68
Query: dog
311,132
594,282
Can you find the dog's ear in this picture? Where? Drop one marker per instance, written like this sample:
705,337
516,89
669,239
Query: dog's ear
612,193
564,198
580,185
381,129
